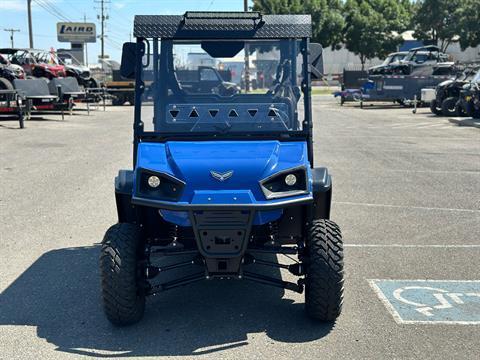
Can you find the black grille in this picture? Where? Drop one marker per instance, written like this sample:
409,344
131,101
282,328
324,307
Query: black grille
222,218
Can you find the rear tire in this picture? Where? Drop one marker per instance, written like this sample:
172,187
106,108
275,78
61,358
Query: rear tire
92,83
131,99
5,84
122,291
324,273
434,109
448,106
118,100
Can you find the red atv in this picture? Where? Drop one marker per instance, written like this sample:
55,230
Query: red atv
35,63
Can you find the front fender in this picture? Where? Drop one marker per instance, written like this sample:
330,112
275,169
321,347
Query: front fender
322,193
123,196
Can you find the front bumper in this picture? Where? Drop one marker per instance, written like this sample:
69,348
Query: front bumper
222,231
261,205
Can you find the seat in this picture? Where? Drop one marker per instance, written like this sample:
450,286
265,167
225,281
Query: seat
33,88
69,87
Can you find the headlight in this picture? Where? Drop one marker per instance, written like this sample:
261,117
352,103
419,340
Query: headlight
291,182
158,186
154,181
290,179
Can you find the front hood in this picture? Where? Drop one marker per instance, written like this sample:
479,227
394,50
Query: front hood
229,84
445,83
250,161
78,69
399,63
16,68
55,68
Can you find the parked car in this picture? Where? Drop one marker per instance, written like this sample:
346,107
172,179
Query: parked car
383,67
205,80
421,57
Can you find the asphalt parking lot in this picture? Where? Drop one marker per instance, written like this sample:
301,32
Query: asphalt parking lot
406,195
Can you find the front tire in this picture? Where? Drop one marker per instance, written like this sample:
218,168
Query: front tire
122,292
434,108
448,106
324,272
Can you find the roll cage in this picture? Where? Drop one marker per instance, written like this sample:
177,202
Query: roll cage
155,35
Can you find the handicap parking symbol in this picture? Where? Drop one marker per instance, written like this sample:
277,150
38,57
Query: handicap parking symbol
431,301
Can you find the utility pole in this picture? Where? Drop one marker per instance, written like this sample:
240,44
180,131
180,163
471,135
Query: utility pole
247,56
11,31
30,30
103,17
103,31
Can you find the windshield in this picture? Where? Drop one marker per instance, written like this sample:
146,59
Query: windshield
393,58
388,60
420,57
21,57
226,87
476,78
46,57
68,59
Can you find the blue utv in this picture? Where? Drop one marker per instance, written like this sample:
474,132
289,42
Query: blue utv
222,181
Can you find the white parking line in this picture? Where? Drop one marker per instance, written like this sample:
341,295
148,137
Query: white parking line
415,246
474,172
338,135
406,207
431,126
411,125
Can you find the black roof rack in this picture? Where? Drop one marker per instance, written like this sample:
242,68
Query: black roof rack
222,25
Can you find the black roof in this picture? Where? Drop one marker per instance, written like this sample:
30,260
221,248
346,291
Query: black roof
429,48
222,25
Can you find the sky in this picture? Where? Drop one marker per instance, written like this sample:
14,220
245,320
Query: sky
46,13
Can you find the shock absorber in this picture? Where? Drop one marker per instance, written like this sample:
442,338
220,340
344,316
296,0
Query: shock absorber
273,230
173,234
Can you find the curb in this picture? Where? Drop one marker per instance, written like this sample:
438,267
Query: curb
465,122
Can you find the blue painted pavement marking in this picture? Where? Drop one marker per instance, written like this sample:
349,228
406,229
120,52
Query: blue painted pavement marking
431,301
